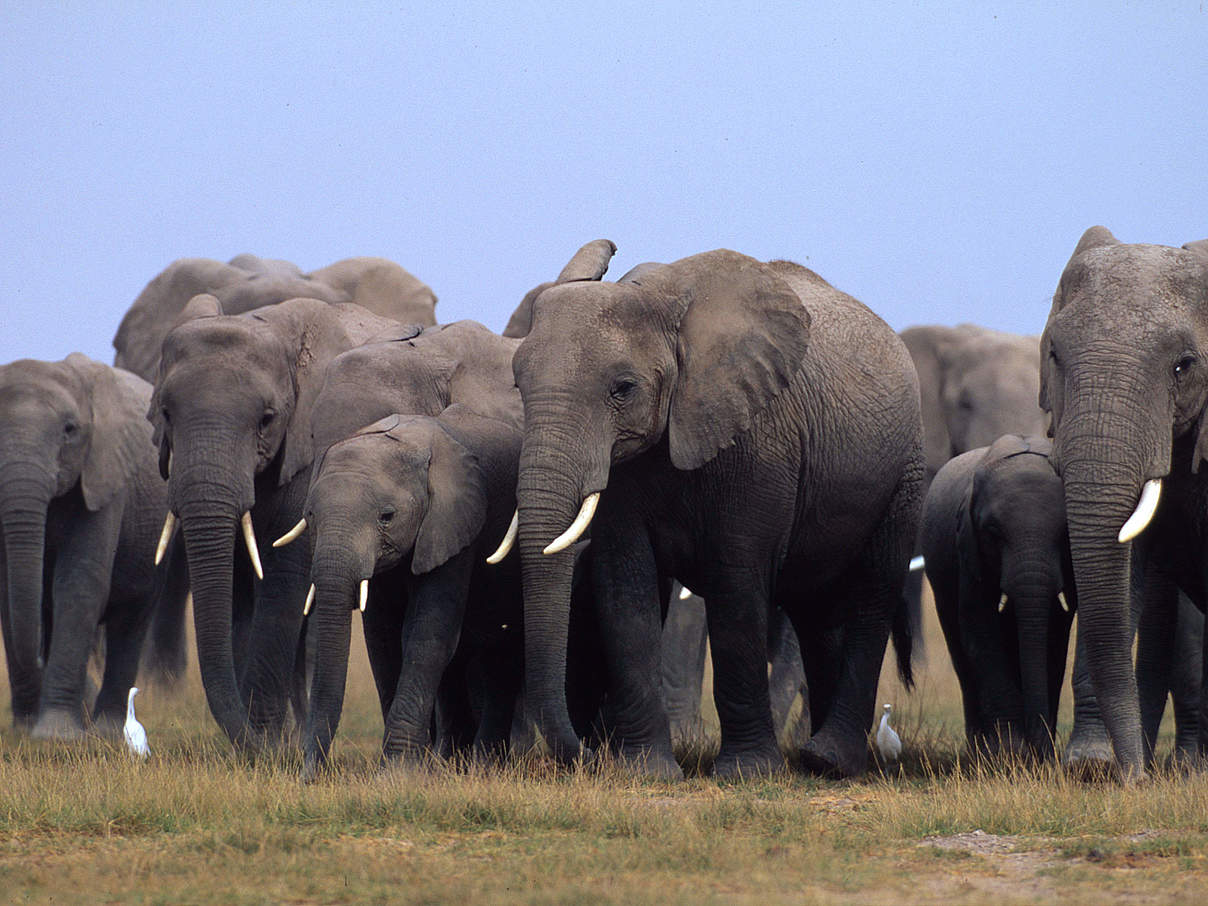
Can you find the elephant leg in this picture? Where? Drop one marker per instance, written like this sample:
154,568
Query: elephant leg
786,681
126,624
82,571
822,660
1156,632
683,664
167,656
382,623
431,630
737,611
499,676
1185,677
629,610
455,723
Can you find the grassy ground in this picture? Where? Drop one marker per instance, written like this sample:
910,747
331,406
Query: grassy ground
195,824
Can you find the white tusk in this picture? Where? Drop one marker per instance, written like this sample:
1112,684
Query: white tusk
364,595
1002,602
509,538
249,538
169,463
1065,605
292,534
1146,507
310,599
916,563
165,536
578,527
685,593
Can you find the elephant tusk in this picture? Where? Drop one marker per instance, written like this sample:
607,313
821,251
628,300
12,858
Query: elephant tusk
310,599
509,538
364,595
165,536
1146,506
578,527
916,563
1002,602
249,538
292,534
1065,605
685,593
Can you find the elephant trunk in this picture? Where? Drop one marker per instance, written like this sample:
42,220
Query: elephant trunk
24,497
549,496
1033,595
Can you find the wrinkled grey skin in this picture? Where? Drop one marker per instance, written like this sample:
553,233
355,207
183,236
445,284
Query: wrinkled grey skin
1124,375
416,504
80,504
994,524
249,282
232,416
727,410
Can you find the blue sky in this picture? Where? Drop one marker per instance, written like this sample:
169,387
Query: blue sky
937,160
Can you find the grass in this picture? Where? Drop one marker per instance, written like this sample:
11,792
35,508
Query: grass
197,824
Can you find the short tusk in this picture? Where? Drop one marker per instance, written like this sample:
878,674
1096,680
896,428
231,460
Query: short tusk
249,538
1146,506
916,563
165,536
310,599
685,593
578,527
509,538
1002,602
1065,605
364,595
292,534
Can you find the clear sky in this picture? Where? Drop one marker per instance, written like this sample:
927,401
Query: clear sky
937,160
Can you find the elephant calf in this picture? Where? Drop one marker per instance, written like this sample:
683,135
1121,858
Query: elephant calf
997,551
80,503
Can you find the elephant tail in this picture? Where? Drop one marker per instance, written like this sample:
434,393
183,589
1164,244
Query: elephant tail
903,641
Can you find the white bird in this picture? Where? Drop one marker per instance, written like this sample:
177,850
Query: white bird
136,736
889,744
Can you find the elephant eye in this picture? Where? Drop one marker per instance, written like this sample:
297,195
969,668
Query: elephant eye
267,419
70,430
623,389
165,416
386,516
1183,365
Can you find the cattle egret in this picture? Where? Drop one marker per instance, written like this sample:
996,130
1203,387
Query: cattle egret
889,744
136,736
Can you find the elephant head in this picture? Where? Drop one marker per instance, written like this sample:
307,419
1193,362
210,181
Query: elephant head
383,287
409,491
1124,375
684,360
70,427
232,417
1013,551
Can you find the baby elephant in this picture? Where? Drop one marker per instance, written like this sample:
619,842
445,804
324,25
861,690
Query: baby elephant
415,503
997,556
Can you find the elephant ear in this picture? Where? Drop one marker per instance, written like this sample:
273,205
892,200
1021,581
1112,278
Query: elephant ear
121,437
741,340
457,502
587,264
203,305
968,554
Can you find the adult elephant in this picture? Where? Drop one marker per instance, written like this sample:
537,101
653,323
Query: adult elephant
249,282
742,427
1125,377
80,502
994,538
232,414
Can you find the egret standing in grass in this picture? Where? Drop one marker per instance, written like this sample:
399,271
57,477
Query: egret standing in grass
136,736
889,744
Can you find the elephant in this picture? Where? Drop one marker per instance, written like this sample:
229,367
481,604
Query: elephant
744,428
80,503
231,411
249,282
1124,376
998,558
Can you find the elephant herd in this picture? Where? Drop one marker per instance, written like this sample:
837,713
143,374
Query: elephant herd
513,515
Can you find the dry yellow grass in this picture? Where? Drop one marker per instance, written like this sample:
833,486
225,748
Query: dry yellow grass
195,824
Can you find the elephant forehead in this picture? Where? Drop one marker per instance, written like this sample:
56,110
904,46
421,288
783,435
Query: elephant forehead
244,339
1136,275
598,329
28,381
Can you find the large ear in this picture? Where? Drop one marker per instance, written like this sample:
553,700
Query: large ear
590,262
457,502
741,340
639,272
121,436
968,554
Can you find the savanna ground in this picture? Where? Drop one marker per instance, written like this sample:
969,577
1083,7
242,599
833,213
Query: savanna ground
196,824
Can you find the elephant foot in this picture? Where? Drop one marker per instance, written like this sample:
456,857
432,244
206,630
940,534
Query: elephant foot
107,727
315,767
641,762
744,765
1090,758
60,725
831,755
